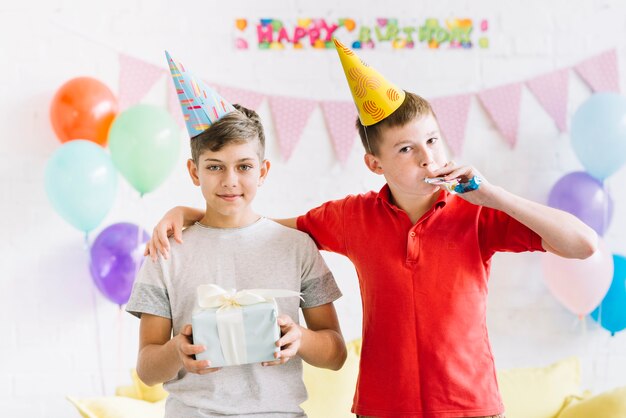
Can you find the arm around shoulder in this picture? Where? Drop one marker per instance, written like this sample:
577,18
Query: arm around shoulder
289,222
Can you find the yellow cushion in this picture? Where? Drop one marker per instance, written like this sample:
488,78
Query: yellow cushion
611,404
148,393
331,392
118,407
129,391
539,392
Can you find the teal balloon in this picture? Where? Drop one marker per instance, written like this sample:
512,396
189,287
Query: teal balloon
598,134
81,183
144,141
611,313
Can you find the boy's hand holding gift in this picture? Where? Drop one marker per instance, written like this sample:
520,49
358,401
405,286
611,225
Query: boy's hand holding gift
290,341
243,327
187,350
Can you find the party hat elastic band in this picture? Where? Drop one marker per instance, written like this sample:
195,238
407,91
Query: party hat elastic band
201,105
374,96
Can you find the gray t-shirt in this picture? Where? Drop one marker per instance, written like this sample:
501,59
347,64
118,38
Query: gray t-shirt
262,255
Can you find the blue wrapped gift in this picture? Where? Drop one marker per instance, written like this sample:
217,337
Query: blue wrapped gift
237,327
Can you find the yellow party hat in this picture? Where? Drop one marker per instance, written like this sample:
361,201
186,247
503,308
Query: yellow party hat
374,96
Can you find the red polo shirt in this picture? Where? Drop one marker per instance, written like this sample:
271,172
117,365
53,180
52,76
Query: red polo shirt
425,349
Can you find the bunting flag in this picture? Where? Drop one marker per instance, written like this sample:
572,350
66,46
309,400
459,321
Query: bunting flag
290,116
600,72
551,91
503,106
340,118
246,98
452,114
136,78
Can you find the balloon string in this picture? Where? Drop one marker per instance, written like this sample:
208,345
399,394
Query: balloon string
120,340
138,250
591,355
600,313
606,202
607,357
94,297
583,320
596,355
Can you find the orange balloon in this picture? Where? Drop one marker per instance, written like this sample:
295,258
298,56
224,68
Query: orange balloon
83,108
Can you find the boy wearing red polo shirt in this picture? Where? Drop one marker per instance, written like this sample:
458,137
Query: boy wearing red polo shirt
423,257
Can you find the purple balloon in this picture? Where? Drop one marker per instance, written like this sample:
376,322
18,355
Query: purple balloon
115,258
585,197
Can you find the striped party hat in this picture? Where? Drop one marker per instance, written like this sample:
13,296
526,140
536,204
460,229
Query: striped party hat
201,105
374,96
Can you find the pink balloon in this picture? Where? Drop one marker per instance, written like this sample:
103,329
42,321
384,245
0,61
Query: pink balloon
580,285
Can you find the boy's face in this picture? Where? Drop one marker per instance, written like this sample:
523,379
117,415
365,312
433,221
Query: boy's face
229,179
407,154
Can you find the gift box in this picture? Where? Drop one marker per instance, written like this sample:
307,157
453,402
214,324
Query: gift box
237,327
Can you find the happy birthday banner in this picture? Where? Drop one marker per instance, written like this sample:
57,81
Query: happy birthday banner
290,114
308,33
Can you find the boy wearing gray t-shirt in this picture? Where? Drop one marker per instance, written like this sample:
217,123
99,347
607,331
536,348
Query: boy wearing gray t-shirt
233,247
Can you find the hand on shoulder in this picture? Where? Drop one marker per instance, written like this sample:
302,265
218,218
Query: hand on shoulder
171,224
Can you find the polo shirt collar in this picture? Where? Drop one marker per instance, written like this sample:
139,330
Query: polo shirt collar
385,195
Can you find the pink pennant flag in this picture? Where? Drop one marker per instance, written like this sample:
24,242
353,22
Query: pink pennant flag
247,98
551,91
340,118
173,105
290,116
452,114
600,72
503,106
136,78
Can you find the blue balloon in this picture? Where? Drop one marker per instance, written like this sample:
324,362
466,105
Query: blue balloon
81,183
599,134
611,313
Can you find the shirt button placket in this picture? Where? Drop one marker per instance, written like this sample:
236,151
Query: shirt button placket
412,246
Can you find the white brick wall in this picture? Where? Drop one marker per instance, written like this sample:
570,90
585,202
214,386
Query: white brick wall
60,337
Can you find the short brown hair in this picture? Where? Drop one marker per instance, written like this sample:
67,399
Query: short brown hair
241,126
413,107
